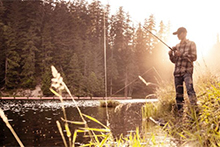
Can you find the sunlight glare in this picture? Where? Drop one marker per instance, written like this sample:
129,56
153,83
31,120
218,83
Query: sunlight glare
200,18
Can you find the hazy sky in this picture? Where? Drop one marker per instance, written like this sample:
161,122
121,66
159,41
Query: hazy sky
200,17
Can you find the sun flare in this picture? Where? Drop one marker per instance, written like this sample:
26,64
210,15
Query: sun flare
200,18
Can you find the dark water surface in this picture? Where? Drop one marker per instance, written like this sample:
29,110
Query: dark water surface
34,121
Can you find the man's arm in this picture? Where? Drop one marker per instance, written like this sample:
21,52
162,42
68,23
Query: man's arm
172,56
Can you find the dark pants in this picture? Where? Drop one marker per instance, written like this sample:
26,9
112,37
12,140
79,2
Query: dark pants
187,78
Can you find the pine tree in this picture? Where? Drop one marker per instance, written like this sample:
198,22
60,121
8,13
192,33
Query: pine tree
140,48
29,61
122,47
61,38
74,76
2,46
81,44
112,68
112,73
96,37
12,59
46,82
159,52
117,34
31,39
13,43
44,56
94,85
96,22
130,66
149,25
142,57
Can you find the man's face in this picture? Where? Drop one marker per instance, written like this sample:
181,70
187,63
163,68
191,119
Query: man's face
181,35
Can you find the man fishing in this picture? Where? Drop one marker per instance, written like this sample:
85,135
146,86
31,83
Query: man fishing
183,55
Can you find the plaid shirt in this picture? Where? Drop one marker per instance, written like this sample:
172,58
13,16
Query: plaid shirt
184,63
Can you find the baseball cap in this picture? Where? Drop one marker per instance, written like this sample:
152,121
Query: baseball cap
180,30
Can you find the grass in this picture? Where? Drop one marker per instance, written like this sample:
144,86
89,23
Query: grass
194,128
109,103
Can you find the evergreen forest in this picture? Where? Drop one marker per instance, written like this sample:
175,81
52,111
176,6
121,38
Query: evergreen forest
71,36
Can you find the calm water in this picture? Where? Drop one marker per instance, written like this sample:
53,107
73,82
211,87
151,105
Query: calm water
35,121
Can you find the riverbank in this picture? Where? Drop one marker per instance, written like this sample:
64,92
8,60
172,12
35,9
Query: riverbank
67,98
196,126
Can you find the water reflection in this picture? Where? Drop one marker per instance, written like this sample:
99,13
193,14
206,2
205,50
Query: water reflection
35,121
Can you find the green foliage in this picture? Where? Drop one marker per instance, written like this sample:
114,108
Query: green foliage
46,83
74,75
35,35
94,85
12,59
2,48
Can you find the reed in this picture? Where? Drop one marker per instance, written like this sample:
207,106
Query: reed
98,136
5,119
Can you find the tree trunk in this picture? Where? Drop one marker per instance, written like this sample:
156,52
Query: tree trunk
126,83
6,70
110,90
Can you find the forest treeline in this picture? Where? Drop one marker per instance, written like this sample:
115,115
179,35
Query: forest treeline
70,35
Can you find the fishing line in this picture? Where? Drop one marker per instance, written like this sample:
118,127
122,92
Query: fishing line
105,66
158,39
152,68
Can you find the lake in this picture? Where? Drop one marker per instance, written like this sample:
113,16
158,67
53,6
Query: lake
34,121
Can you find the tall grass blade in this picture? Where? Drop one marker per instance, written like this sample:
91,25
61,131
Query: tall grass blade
73,122
61,133
68,133
5,119
95,120
95,129
104,140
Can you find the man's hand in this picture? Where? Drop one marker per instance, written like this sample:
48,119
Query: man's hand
170,52
174,48
177,53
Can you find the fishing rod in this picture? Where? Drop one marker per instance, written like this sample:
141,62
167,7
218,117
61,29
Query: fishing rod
166,44
159,39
